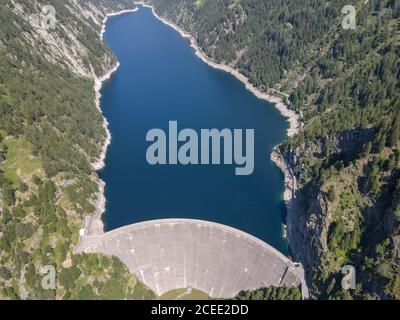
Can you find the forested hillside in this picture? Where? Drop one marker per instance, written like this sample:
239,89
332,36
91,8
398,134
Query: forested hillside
346,159
50,133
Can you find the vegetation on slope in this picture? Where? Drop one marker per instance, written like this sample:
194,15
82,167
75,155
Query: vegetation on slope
271,293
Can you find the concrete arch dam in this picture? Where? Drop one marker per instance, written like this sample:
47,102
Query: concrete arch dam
179,253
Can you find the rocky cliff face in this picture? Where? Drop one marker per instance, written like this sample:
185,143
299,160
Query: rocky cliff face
314,215
315,207
75,41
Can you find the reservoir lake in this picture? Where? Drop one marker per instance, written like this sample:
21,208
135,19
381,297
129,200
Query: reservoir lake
160,79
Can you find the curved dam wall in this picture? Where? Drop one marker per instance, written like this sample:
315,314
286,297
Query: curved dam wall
179,253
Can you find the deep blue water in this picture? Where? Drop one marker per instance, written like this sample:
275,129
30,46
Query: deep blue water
160,80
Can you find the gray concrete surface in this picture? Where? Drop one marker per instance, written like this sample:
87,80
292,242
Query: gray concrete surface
180,253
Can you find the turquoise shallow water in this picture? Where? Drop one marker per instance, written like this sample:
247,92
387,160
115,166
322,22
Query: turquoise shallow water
160,80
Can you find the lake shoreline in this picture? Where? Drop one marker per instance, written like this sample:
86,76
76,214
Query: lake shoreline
290,182
290,189
292,117
94,223
113,14
100,163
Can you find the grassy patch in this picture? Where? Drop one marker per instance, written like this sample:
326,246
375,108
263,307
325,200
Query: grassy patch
20,163
182,294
